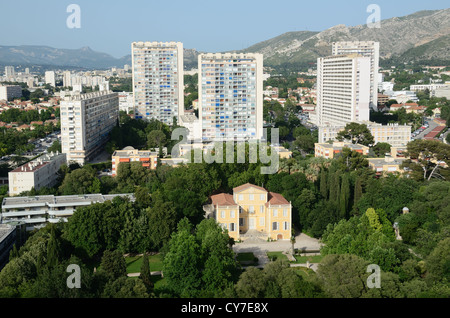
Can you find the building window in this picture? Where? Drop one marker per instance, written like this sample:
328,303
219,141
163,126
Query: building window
285,212
250,197
275,212
232,214
232,229
251,209
241,222
261,221
262,197
222,214
241,197
285,226
261,209
275,226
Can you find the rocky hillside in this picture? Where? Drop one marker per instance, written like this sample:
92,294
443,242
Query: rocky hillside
420,36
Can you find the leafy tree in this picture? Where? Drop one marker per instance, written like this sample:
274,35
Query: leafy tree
305,142
438,262
123,287
251,283
356,134
425,158
343,276
161,222
56,146
381,149
80,181
156,138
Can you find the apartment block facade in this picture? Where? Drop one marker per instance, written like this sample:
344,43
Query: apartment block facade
158,87
343,89
369,49
37,211
252,210
394,134
39,173
10,91
231,96
86,120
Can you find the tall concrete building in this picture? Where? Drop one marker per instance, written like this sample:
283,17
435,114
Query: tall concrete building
343,89
86,120
67,79
158,87
231,96
10,91
50,78
369,49
10,73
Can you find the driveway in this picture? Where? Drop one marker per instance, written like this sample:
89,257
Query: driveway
260,247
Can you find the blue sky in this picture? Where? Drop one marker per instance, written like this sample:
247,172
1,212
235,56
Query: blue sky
207,25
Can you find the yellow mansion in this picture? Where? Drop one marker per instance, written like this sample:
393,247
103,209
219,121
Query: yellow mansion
252,211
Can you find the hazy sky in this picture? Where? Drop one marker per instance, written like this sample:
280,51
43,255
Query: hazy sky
207,25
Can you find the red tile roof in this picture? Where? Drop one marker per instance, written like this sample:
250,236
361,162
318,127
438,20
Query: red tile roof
223,199
247,185
276,199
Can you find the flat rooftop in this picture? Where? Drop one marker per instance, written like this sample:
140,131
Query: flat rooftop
51,200
5,230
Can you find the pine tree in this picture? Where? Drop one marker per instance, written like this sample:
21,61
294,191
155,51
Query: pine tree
145,272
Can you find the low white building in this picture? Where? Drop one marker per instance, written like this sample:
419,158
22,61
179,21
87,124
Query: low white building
37,211
126,102
39,173
394,134
191,122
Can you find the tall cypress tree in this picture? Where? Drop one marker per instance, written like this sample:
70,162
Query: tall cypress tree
323,186
344,196
53,250
358,190
145,272
334,188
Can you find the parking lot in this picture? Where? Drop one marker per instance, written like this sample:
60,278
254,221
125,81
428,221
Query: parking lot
427,127
40,146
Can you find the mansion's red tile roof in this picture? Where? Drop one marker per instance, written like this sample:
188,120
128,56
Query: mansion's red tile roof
276,199
223,199
247,185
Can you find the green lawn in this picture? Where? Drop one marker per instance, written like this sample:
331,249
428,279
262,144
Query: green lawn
134,263
246,258
311,259
276,255
303,271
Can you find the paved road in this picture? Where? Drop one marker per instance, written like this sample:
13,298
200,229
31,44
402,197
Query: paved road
260,247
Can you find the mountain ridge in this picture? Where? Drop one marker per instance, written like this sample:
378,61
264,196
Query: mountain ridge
420,36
